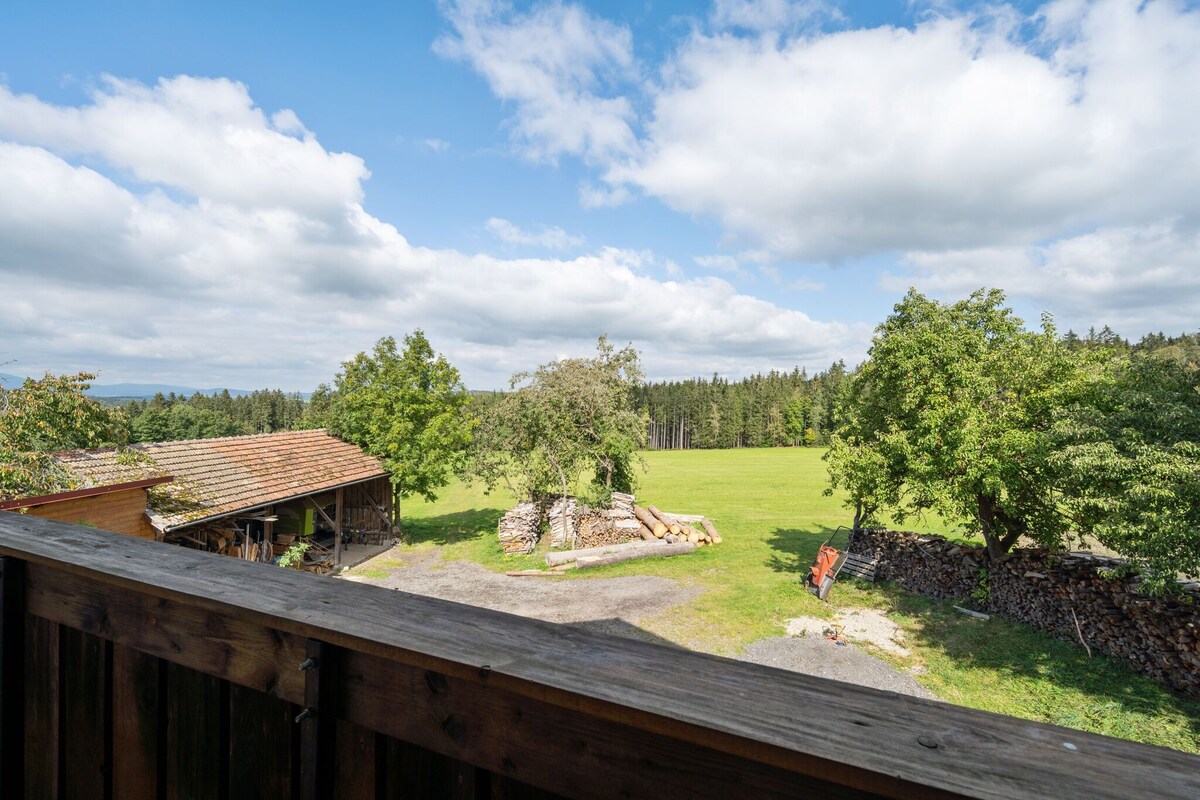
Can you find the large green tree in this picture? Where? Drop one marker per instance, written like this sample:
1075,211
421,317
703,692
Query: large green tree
41,416
1129,459
567,417
952,414
407,408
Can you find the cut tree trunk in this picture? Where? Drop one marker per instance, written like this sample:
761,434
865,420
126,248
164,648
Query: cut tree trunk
629,555
656,525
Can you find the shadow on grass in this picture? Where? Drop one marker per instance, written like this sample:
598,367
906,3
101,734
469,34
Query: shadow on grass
795,549
451,528
1017,651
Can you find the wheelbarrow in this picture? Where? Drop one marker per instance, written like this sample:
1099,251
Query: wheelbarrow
831,562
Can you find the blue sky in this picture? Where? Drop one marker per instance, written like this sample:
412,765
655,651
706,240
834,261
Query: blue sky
247,194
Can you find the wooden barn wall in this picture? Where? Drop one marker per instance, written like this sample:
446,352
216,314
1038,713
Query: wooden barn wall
359,511
121,512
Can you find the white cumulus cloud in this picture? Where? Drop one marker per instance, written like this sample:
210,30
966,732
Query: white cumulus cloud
270,272
552,238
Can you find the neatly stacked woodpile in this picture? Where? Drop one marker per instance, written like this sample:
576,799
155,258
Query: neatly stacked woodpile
562,522
598,528
519,528
1076,597
622,502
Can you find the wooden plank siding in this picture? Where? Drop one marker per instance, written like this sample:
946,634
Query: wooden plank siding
174,673
120,512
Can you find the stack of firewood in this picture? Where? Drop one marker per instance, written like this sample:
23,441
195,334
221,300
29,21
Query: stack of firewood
1092,600
562,522
622,502
605,526
519,528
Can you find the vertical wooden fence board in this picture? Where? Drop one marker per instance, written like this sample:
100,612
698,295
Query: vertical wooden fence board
85,735
355,776
260,745
195,741
42,709
412,771
12,675
136,716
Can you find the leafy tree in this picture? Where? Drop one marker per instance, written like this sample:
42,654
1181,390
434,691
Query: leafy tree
952,413
408,409
1129,457
42,416
564,418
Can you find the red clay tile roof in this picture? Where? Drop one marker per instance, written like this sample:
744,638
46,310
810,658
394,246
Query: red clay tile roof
214,477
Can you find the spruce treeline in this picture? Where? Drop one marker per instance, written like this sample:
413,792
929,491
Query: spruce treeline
173,417
778,409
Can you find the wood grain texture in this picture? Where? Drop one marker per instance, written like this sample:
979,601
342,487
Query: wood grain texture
356,763
758,718
549,746
260,745
85,733
42,723
230,645
137,716
119,512
197,735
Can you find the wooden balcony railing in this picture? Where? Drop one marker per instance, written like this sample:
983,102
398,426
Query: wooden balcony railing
138,670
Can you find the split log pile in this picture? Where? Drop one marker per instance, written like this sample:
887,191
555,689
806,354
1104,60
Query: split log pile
1077,597
519,529
599,527
622,502
562,522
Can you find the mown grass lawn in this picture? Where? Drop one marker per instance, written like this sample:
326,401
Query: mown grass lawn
770,508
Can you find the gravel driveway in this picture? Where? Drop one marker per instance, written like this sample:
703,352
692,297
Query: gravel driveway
615,606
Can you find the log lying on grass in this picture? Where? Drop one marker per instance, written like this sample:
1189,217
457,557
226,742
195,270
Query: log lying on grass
566,556
647,518
711,530
659,551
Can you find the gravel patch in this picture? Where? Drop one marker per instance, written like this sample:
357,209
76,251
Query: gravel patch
615,606
816,655
608,605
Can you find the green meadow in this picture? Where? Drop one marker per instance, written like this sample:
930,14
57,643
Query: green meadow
770,507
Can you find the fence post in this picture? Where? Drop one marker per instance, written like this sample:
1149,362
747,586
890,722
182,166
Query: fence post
318,722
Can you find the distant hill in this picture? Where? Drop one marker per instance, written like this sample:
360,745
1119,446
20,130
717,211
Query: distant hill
139,390
129,390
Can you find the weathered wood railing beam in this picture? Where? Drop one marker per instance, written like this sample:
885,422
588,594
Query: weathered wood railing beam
554,706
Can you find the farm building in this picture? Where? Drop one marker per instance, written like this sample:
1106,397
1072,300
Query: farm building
251,496
120,507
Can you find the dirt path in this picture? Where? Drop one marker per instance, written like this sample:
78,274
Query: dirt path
616,605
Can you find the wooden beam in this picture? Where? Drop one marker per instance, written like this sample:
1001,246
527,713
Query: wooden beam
339,515
318,721
321,511
456,679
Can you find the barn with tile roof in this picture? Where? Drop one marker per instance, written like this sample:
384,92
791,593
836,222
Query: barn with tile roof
252,496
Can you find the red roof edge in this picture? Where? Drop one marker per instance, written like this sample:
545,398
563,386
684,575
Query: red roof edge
91,491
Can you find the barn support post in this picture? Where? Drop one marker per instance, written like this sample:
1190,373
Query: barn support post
339,515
